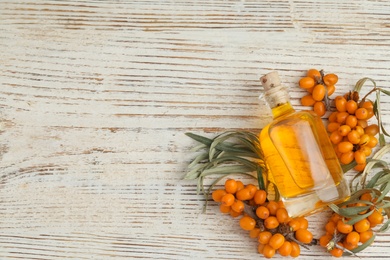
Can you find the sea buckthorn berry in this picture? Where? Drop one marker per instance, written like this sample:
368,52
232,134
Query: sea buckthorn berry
364,139
262,212
372,129
353,137
340,103
318,92
231,186
310,90
273,207
296,249
367,104
344,147
331,89
307,82
344,130
314,74
303,222
333,126
281,204
325,239
252,189
254,233
247,223
333,117
343,227
285,249
375,218
360,157
218,194
264,237
366,235
303,235
271,222
238,206
361,113
342,117
330,79
268,251
351,106
373,142
260,248
234,213
351,120
224,209
348,246
227,199
359,167
370,113
362,225
362,122
260,197
276,241
359,129
347,157
330,227
335,137
308,100
240,185
243,194
337,252
366,196
352,238
294,224
319,108
335,217
282,215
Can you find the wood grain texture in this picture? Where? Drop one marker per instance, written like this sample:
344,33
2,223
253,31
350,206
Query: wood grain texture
96,96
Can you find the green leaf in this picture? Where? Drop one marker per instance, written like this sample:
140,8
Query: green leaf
360,83
352,211
384,130
195,172
379,178
384,91
356,218
349,166
198,159
384,191
200,139
227,170
227,158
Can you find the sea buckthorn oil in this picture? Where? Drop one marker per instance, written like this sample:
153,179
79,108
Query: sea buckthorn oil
299,156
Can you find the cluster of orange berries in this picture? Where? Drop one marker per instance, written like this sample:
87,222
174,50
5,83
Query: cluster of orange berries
352,136
319,88
342,237
266,220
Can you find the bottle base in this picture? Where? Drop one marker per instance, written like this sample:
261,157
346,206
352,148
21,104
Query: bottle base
317,200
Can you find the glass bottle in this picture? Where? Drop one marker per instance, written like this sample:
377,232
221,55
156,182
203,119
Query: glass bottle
300,158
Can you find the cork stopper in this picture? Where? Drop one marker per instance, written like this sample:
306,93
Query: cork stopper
270,80
274,93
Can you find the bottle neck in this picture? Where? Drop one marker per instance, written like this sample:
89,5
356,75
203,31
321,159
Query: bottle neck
282,109
279,101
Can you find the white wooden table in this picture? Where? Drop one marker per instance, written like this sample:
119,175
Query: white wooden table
95,98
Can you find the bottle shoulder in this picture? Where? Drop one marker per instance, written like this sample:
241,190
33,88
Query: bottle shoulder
305,117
